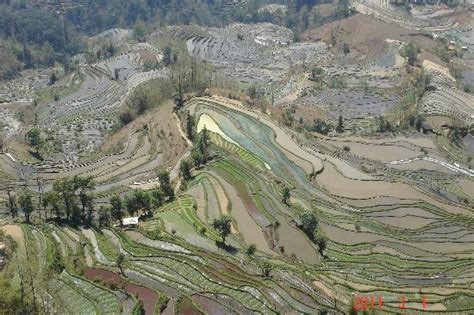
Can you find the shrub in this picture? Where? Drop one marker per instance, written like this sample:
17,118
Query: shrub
126,117
250,250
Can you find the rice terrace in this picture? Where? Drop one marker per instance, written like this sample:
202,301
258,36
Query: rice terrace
237,157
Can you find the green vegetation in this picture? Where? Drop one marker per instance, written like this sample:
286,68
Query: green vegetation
285,195
410,51
321,127
185,170
317,73
250,250
11,300
33,137
32,38
136,201
200,149
243,154
222,225
116,207
165,184
340,124
383,125
229,234
190,126
457,132
26,204
309,223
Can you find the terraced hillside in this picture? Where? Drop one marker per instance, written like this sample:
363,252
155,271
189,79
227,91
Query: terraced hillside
259,53
389,232
274,174
390,216
82,118
131,158
80,123
419,19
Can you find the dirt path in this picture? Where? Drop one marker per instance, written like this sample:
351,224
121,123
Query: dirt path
16,232
181,132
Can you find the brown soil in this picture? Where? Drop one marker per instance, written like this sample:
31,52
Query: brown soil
159,121
16,233
384,153
208,305
438,121
186,307
371,41
310,113
147,296
467,186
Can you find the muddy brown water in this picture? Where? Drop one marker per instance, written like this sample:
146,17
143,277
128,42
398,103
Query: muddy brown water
384,153
210,306
144,294
407,222
349,188
245,223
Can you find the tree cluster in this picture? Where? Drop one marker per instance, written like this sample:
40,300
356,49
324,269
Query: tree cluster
322,127
70,199
301,14
33,138
317,73
285,196
457,132
138,202
416,121
39,36
31,38
187,75
410,51
383,125
309,225
223,226
146,97
200,150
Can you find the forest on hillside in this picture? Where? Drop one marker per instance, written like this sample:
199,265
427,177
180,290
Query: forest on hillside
39,34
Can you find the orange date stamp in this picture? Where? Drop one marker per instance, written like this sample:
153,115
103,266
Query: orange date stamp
375,301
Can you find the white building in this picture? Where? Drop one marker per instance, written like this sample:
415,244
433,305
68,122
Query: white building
130,221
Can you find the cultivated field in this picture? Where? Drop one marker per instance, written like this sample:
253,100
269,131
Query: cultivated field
392,205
